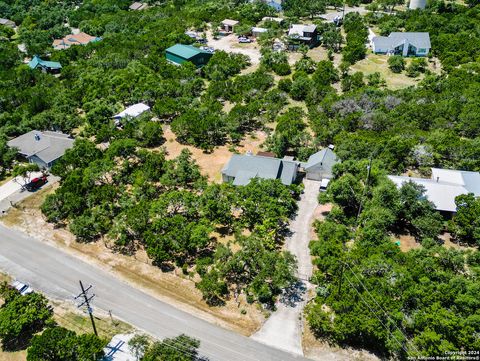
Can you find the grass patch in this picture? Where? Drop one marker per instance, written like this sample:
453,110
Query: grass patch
81,324
379,63
14,215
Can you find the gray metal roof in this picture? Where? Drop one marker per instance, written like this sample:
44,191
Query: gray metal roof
444,186
7,22
325,157
419,40
48,146
245,167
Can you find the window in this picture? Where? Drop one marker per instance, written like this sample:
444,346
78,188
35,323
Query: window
422,50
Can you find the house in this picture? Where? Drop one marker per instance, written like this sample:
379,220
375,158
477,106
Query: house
42,148
443,186
45,65
74,39
241,168
228,25
319,165
132,111
302,34
405,44
7,22
179,54
138,6
256,32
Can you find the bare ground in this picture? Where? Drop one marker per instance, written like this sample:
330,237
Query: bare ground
211,164
316,349
173,288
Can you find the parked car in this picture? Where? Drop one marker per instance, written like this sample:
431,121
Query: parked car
244,40
324,184
201,40
36,183
23,288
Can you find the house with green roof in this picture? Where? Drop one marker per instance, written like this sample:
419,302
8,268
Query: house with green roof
46,66
179,54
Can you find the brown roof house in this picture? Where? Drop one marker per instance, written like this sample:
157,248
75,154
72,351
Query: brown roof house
74,39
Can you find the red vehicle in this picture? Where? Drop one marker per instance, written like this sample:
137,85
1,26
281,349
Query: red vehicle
36,183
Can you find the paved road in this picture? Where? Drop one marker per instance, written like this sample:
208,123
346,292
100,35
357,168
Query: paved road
283,328
56,273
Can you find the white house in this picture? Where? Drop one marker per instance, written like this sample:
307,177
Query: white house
444,185
132,111
405,44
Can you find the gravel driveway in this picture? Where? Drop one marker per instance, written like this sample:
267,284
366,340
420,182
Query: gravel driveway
283,329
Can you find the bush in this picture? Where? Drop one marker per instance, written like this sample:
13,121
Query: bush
396,63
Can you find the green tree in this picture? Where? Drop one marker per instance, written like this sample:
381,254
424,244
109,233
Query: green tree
466,222
21,317
396,63
58,343
325,74
180,348
138,345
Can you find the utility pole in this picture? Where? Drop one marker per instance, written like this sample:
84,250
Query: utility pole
86,302
369,167
340,281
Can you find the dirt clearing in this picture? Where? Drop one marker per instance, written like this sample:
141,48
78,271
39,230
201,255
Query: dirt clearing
211,164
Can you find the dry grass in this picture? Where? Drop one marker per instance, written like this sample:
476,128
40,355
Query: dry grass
379,63
13,356
211,164
320,350
68,316
171,287
407,242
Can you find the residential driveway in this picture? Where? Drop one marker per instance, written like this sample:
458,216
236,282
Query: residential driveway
230,44
283,328
12,192
348,9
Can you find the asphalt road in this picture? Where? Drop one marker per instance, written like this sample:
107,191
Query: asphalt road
56,273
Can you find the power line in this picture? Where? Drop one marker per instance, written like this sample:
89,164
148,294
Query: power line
380,307
371,310
86,302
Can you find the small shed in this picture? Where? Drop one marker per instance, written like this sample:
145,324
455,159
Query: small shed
319,165
229,25
138,6
179,54
256,32
44,65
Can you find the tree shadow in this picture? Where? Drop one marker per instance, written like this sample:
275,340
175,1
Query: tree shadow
294,294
